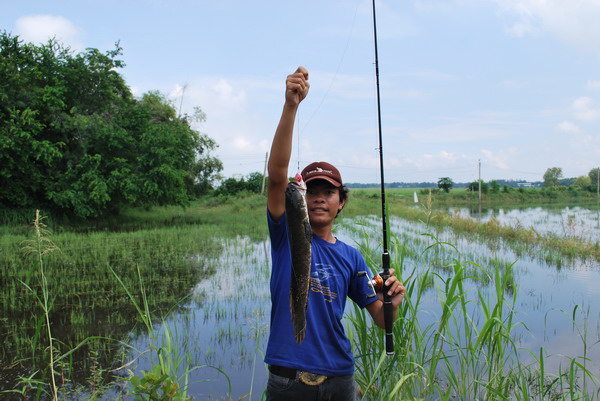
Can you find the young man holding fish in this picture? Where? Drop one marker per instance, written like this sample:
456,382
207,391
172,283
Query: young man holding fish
313,273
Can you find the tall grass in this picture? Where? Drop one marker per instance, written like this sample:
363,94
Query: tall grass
168,378
40,246
463,349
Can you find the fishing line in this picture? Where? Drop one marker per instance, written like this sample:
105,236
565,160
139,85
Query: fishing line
298,138
338,67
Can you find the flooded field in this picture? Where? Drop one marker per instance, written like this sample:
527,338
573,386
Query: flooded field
219,329
228,330
574,221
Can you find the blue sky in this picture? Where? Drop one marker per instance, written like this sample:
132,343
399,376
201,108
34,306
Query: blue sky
513,83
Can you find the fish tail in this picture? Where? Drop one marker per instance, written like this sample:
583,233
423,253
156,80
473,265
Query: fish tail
298,320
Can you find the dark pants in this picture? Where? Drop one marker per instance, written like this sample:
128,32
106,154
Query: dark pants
341,388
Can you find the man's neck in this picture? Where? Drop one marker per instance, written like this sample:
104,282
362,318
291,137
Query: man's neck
325,233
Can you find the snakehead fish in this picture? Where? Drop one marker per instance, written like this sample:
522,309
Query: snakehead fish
300,237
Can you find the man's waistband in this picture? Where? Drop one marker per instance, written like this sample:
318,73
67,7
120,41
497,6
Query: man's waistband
310,379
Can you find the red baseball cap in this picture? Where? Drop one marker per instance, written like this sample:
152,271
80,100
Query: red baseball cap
322,171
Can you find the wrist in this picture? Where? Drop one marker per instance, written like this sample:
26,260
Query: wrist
290,106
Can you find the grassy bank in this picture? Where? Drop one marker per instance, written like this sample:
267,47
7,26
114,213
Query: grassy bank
512,197
523,239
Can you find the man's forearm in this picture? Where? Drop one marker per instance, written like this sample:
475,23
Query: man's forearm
281,148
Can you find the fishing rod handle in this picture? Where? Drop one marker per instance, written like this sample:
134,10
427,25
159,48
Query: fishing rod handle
388,308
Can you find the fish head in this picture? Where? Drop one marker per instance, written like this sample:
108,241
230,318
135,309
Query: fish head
300,184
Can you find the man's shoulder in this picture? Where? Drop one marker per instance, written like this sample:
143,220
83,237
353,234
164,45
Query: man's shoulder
347,250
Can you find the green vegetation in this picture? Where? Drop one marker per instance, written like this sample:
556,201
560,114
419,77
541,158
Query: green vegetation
88,310
505,197
252,183
468,351
523,239
75,140
445,184
552,176
112,279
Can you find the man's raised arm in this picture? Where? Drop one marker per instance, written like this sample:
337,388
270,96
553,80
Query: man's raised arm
296,89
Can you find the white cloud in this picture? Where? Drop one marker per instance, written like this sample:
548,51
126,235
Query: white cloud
231,120
583,109
242,143
226,94
593,84
575,22
41,28
567,126
501,160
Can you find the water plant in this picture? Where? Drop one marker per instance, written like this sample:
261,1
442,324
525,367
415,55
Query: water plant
464,348
41,246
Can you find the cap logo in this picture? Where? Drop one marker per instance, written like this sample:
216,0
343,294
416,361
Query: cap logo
319,170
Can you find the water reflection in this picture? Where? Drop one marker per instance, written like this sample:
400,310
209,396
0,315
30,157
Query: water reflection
569,221
225,325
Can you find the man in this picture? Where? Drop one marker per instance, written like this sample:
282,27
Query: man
322,366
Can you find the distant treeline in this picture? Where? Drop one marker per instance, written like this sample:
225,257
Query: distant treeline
509,183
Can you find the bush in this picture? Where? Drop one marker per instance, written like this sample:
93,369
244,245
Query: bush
231,186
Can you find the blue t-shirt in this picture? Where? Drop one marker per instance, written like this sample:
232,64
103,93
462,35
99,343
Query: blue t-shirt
326,349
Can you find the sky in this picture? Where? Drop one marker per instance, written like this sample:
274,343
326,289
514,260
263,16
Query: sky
501,88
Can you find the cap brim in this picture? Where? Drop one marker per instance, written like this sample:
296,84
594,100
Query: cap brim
326,178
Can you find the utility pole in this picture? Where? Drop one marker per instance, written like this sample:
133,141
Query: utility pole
479,181
262,190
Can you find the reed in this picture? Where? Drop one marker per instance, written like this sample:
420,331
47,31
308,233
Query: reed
41,246
463,349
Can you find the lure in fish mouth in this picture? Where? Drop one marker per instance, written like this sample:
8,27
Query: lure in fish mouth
300,237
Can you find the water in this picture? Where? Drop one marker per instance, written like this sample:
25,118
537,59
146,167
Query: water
228,329
223,327
565,222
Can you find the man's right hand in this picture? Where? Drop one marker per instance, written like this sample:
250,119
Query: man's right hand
296,86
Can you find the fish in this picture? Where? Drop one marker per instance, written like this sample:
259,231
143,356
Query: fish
300,238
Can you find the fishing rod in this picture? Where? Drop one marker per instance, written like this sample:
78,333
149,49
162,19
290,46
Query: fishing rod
388,309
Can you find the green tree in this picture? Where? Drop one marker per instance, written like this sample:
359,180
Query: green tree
231,186
494,186
583,182
445,184
206,169
552,176
73,137
474,187
593,174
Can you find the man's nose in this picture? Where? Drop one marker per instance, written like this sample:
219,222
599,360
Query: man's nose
318,197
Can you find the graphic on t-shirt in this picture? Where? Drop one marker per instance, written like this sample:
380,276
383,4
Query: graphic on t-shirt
322,275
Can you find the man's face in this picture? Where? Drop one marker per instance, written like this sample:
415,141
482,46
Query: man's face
323,201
